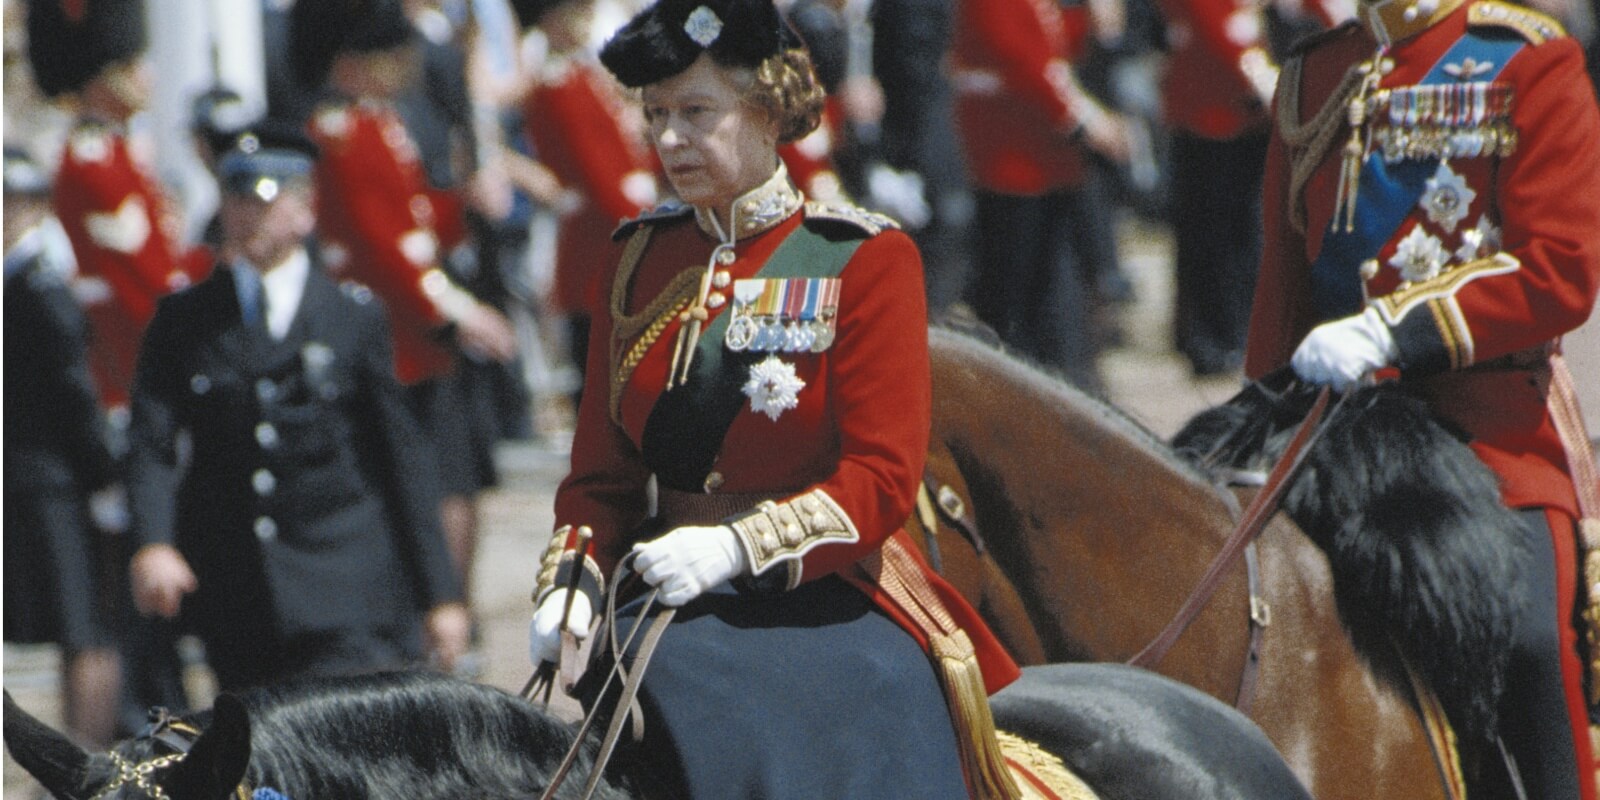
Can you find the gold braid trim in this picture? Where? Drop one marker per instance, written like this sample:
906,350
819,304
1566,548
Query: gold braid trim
1030,762
955,661
1308,142
557,555
774,532
633,334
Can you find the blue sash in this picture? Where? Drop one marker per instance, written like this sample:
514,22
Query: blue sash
1388,192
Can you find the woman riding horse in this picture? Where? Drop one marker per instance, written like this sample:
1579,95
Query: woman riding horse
763,361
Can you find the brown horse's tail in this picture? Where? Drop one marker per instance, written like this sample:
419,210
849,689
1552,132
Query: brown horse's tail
1412,525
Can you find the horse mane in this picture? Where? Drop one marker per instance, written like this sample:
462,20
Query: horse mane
1411,522
390,735
973,337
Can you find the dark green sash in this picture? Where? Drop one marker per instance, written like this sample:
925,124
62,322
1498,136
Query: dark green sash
685,431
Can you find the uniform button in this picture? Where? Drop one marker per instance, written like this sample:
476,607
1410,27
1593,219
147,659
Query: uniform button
715,301
199,384
720,279
264,482
726,257
266,390
267,435
266,529
713,481
1369,269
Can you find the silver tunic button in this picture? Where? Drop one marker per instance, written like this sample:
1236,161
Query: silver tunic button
264,482
267,435
715,300
266,390
720,279
266,529
199,384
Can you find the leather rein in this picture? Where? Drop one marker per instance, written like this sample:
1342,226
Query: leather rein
632,677
1249,526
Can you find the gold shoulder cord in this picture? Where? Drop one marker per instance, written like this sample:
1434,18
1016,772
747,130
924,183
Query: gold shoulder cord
1308,142
633,334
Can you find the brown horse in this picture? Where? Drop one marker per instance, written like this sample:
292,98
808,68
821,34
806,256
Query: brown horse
1091,533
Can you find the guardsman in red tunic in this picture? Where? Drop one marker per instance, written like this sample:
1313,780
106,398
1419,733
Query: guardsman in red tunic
1215,93
762,360
580,129
1431,208
383,228
1023,120
109,205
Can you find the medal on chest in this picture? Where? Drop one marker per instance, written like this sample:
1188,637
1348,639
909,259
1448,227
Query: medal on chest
780,315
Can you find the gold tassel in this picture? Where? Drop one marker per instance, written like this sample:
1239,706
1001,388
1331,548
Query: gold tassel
969,708
1589,536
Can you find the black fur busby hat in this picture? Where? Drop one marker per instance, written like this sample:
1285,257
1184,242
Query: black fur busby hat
529,12
664,39
263,156
319,30
71,41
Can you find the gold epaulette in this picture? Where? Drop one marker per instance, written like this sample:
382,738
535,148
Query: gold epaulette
1037,768
870,222
1537,28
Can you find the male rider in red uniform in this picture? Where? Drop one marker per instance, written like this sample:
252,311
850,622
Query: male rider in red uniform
1430,206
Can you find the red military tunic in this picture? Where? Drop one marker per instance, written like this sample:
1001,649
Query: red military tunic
1013,100
1510,269
114,215
577,124
1218,56
854,439
381,226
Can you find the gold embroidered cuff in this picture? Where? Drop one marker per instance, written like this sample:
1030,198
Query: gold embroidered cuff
772,532
555,565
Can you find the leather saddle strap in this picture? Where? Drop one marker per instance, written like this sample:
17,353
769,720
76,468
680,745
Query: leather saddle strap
1261,509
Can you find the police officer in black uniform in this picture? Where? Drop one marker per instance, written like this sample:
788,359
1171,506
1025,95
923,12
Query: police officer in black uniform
56,454
300,535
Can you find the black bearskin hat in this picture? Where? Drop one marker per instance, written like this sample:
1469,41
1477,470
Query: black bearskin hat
71,41
319,30
664,39
529,12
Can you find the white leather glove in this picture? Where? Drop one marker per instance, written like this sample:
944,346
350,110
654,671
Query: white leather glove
544,633
1341,352
689,560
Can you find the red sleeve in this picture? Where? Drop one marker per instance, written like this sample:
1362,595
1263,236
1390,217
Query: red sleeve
881,388
578,137
115,226
605,488
1549,212
366,202
1012,39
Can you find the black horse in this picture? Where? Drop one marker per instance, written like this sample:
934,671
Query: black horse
1126,732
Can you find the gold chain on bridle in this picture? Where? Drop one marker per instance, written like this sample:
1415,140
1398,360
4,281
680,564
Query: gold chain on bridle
140,775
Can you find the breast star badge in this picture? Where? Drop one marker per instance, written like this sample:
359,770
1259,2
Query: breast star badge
773,387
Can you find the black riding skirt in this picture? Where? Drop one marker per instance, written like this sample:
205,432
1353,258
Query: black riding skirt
803,694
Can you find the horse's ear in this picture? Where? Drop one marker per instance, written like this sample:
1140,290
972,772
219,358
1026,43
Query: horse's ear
215,765
50,757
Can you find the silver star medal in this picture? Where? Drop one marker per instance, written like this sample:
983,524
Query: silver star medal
1479,241
1447,197
773,387
1419,256
703,26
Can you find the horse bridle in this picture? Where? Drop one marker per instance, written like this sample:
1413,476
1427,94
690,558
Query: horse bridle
1250,524
176,735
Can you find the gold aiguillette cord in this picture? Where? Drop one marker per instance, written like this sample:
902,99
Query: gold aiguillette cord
1355,150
